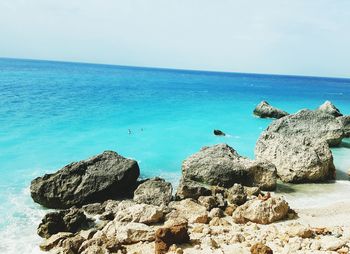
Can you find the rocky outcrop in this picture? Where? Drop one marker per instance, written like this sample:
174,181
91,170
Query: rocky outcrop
261,211
154,192
265,110
329,108
298,145
104,176
221,165
71,220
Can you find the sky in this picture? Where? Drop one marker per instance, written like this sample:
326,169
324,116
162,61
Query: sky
295,37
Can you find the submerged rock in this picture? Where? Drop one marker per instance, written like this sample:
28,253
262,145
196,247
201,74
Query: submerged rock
329,108
219,133
261,211
154,192
221,165
107,175
265,110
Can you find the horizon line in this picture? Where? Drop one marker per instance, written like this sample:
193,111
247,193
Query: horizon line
170,69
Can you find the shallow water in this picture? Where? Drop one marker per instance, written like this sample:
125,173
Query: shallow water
53,113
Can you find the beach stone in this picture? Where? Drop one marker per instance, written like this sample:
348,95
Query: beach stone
261,211
107,175
94,208
54,240
221,165
72,244
236,194
174,232
155,191
142,213
102,244
126,232
192,189
265,110
260,248
190,210
331,243
208,202
298,145
71,220
300,231
329,108
216,212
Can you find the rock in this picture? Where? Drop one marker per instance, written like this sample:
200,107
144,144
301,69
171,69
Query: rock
221,165
71,220
260,248
230,209
219,133
216,212
298,145
101,245
331,243
107,175
190,210
261,211
298,160
328,108
142,213
192,189
265,110
252,191
126,232
175,232
94,208
87,234
72,244
236,194
208,202
54,240
219,222
300,231
154,192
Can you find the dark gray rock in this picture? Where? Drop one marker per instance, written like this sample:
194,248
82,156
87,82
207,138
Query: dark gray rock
219,133
155,191
236,195
107,175
71,220
265,110
220,165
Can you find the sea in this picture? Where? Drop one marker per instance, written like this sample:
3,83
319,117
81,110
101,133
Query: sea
54,113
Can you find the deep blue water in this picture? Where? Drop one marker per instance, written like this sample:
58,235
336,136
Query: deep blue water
52,113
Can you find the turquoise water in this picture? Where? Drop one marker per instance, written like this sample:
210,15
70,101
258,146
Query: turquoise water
53,113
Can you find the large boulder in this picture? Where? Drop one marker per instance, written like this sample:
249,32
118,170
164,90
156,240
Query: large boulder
221,165
298,145
107,175
262,211
154,192
329,108
265,110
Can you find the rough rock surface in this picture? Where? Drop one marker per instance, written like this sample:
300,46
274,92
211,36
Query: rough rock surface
298,145
189,210
70,220
143,213
236,195
329,108
219,133
192,189
101,177
265,110
221,165
154,192
175,232
261,211
260,248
